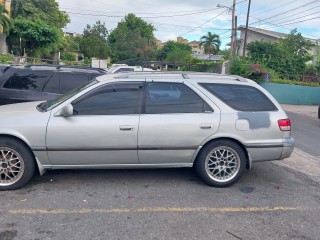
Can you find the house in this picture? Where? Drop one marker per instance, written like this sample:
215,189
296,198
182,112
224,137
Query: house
196,47
73,34
182,40
259,34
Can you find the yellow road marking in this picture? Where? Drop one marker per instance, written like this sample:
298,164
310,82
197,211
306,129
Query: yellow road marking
150,210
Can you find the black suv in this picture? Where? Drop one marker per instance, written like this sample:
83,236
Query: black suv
41,82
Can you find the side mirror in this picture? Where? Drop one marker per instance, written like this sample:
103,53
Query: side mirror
67,111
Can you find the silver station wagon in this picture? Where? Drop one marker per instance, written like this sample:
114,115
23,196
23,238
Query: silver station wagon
218,124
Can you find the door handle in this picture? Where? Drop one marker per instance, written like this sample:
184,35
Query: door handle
206,126
126,128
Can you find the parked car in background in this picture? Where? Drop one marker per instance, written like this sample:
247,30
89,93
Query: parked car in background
41,82
217,123
117,68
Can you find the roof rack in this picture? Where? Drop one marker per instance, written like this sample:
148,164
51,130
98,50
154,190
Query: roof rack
146,73
239,78
65,66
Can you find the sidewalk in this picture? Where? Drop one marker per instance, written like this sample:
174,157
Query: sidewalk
304,163
308,110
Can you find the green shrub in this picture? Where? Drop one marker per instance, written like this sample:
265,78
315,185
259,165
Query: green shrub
295,82
69,57
5,58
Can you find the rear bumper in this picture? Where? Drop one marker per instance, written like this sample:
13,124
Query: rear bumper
272,151
288,146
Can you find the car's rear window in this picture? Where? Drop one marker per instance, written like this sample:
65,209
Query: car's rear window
240,97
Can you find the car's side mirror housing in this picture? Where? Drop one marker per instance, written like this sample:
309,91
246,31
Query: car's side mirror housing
67,111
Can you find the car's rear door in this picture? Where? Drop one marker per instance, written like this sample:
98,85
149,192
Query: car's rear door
175,122
103,129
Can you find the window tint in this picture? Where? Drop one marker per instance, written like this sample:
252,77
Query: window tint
69,81
241,98
27,80
113,99
173,98
53,85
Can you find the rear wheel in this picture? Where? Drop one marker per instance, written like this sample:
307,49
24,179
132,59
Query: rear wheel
221,163
16,164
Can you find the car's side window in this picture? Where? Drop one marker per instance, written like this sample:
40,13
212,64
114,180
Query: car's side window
240,97
164,97
112,99
53,85
69,81
27,80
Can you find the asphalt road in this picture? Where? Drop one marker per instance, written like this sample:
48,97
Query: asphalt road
306,132
270,202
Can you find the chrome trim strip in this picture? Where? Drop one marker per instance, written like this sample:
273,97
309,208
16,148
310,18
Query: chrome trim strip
119,166
68,149
40,149
168,148
264,146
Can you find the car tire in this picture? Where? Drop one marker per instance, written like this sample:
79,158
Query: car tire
17,164
221,163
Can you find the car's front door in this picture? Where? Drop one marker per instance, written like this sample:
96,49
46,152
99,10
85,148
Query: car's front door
102,130
174,123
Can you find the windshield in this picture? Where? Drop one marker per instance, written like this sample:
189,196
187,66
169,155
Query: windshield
110,70
50,104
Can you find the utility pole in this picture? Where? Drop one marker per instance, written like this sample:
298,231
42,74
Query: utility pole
246,31
233,30
235,45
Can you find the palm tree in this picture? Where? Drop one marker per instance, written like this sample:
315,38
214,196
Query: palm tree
5,21
211,43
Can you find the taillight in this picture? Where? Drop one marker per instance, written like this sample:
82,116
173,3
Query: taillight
284,124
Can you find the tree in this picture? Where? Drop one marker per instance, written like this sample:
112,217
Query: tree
34,35
93,46
171,48
71,43
46,10
46,20
262,51
99,29
133,38
5,22
287,56
211,43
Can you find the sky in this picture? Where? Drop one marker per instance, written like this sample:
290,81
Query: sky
192,19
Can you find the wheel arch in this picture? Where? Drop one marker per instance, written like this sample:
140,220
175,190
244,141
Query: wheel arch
22,141
227,139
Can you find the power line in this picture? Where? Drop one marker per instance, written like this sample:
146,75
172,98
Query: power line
299,13
290,10
268,10
300,21
141,13
279,23
164,16
203,23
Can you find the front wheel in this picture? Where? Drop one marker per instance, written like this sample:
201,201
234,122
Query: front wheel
16,164
221,163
